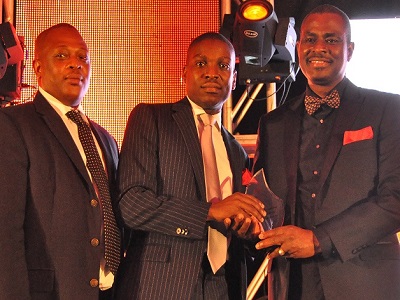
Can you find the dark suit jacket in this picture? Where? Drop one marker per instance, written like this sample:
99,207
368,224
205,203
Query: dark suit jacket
47,220
163,199
358,204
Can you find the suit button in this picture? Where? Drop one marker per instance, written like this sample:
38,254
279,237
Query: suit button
94,242
313,195
94,282
94,203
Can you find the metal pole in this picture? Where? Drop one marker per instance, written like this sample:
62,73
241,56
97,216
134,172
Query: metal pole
271,87
8,6
226,8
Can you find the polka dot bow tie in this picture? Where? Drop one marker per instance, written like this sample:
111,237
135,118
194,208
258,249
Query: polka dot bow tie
313,103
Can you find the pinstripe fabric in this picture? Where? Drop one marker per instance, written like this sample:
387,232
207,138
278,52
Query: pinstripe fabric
162,187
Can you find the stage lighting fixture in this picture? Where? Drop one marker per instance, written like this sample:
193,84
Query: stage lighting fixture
11,58
264,44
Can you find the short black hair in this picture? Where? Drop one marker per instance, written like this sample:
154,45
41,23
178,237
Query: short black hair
211,36
327,8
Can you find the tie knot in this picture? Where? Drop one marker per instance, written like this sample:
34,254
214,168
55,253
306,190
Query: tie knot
312,103
76,117
208,119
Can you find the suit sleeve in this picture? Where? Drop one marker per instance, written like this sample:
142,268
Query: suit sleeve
150,200
13,190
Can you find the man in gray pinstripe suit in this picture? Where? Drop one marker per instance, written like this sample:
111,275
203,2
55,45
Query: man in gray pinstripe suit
163,191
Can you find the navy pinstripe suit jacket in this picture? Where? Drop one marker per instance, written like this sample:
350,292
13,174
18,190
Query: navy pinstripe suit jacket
163,200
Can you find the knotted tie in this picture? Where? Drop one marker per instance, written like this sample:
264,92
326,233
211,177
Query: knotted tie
313,103
95,166
217,243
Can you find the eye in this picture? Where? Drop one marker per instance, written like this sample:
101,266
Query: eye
333,41
309,40
84,58
61,55
200,63
224,66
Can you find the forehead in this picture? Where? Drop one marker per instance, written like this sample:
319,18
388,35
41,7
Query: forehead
323,24
211,48
62,37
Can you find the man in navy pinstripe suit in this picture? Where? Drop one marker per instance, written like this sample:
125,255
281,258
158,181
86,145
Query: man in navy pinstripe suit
163,191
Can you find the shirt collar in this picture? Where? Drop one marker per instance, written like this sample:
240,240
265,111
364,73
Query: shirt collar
61,108
340,87
198,110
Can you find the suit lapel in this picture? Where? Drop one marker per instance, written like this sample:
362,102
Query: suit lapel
183,116
109,159
234,156
346,116
291,147
58,128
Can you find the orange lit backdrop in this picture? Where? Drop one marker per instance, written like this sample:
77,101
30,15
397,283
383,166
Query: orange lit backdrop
137,48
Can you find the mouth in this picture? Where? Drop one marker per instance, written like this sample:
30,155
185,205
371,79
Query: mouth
74,79
318,62
211,87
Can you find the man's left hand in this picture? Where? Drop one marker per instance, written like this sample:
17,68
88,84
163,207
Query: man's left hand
292,241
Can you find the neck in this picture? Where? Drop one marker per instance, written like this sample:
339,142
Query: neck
323,90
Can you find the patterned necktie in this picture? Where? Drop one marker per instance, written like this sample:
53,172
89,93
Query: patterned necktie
313,103
95,166
217,242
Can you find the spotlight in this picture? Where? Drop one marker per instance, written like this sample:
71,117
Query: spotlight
264,44
11,58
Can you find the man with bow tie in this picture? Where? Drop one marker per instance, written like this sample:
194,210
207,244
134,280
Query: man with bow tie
333,155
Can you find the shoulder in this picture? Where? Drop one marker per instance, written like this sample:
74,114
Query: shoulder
291,106
152,109
372,95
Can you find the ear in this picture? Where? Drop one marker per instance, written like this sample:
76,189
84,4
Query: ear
183,77
350,50
234,80
36,67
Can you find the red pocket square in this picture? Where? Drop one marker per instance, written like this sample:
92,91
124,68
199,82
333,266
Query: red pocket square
365,133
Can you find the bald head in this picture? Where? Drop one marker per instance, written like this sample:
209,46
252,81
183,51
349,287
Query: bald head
62,63
43,38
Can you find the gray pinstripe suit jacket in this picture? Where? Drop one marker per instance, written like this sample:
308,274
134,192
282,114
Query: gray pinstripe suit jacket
162,188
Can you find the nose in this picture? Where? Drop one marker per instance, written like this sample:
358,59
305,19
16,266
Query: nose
319,46
75,63
211,73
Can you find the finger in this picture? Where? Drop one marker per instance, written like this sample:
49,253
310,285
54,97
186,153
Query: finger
254,199
253,209
268,242
274,253
244,229
227,222
248,199
273,233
